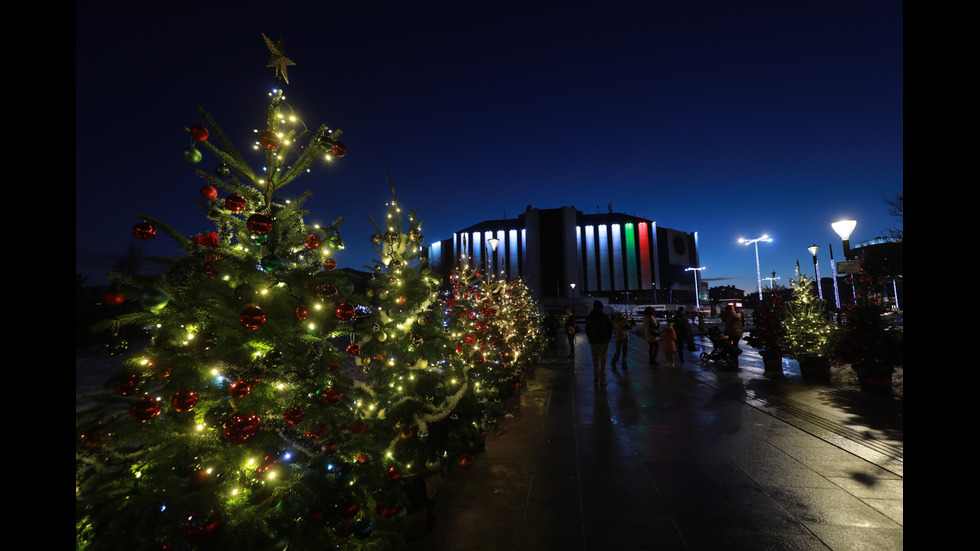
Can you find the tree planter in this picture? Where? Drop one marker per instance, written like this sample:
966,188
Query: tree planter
877,382
420,517
772,360
814,367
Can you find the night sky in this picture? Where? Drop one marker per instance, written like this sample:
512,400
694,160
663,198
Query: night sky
731,119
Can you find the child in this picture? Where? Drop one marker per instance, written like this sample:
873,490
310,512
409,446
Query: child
669,337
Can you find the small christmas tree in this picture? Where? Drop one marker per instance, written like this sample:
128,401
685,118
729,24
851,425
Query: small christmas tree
769,325
422,394
807,323
866,343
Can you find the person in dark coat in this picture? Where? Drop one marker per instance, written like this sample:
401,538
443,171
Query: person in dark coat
734,323
651,334
599,330
570,332
621,331
685,337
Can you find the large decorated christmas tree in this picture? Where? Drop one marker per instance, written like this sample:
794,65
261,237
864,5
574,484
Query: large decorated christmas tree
242,424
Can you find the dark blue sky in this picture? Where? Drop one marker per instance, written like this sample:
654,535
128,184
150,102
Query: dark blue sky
731,119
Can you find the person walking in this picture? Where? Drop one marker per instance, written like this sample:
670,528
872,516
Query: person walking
670,345
734,323
549,326
570,332
651,334
621,332
685,337
599,330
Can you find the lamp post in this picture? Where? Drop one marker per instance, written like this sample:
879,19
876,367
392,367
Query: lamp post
816,271
572,285
697,290
833,272
772,281
756,243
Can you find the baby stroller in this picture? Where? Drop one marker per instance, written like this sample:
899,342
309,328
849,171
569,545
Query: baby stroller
723,352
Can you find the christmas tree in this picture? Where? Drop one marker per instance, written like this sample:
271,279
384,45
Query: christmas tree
807,323
495,325
867,343
424,400
240,425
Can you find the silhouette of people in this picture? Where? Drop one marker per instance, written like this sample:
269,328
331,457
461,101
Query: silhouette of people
570,332
734,323
599,330
621,332
549,326
651,334
670,345
685,337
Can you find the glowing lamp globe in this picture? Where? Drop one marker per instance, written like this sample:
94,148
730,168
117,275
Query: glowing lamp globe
844,228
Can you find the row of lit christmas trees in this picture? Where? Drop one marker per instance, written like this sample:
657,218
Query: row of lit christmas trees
274,406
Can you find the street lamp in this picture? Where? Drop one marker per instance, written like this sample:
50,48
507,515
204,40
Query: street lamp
697,300
756,243
844,229
572,285
492,262
816,271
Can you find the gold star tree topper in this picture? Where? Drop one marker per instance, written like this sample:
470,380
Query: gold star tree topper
278,59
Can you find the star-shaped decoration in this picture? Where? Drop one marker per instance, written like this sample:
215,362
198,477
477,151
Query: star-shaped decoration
278,58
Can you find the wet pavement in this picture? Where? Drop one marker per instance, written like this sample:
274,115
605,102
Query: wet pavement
693,458
679,459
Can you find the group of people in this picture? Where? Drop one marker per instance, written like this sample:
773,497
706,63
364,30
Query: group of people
601,330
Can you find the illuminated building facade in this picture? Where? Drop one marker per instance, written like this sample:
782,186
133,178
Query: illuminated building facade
613,255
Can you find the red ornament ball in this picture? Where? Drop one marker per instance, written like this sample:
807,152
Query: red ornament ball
239,389
184,400
201,529
144,231
329,446
209,192
392,476
331,396
338,149
329,264
353,349
301,313
252,317
259,224
127,384
313,241
358,427
199,132
345,311
235,203
114,298
240,427
197,479
145,409
269,140
294,415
